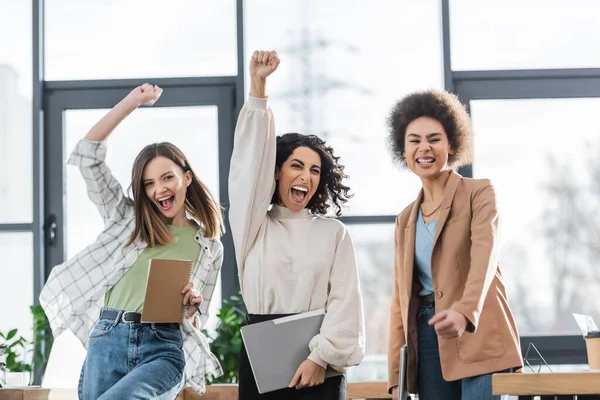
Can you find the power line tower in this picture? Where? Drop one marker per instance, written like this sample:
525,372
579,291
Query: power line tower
310,81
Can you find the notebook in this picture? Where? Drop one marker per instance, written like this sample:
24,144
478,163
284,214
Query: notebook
276,348
166,280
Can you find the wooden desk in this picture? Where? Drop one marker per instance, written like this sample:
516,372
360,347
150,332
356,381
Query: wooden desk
368,390
361,390
36,393
566,383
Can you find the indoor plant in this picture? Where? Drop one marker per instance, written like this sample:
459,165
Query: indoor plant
17,371
228,340
22,357
42,342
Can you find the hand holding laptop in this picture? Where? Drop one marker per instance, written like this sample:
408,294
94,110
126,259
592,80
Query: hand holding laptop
309,374
278,351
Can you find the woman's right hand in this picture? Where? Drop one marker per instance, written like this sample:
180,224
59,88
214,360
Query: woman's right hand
263,64
395,393
146,95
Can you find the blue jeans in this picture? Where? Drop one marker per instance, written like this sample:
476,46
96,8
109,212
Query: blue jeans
132,361
432,385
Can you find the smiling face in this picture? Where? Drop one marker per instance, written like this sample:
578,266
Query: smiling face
165,184
298,178
426,148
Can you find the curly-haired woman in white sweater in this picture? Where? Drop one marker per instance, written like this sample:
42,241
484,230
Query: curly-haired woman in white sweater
291,258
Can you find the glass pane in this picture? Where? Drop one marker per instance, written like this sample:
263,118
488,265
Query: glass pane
132,39
515,34
340,81
16,196
374,245
541,156
16,283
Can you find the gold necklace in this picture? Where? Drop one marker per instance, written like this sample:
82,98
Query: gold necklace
426,216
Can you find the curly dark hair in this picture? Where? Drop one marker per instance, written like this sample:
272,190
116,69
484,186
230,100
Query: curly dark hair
331,190
442,106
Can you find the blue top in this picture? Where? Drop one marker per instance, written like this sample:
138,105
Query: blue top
423,248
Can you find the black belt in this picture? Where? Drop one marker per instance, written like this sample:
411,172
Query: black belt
132,318
256,318
427,299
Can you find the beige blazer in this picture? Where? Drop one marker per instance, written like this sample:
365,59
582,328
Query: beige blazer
466,277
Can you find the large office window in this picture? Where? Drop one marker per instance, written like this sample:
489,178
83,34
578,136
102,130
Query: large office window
16,188
534,137
513,34
138,39
542,156
344,64
15,112
339,81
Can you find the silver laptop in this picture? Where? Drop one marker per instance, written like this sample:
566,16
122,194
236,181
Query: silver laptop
402,385
276,348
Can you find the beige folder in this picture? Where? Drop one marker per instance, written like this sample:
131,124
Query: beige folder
166,280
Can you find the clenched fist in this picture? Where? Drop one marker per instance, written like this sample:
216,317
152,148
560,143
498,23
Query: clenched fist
263,64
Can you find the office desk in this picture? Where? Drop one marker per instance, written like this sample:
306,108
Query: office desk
37,393
359,390
526,385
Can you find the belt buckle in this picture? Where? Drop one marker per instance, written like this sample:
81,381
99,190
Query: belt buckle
123,318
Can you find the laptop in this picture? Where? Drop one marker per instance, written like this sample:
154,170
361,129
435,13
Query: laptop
276,348
402,388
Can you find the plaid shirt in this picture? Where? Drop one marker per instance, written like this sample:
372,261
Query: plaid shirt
74,292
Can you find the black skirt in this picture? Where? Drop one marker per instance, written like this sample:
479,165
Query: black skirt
333,388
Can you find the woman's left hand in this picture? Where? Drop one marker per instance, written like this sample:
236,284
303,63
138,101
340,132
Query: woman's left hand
191,298
449,324
308,374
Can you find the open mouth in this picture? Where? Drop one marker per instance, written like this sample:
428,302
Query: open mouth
425,160
299,193
166,203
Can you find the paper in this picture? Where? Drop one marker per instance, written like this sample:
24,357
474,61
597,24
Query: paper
586,323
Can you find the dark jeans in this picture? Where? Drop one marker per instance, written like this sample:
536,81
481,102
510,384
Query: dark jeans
432,385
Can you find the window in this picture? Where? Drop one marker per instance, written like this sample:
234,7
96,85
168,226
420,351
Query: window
16,187
16,288
515,34
542,156
374,246
340,81
133,39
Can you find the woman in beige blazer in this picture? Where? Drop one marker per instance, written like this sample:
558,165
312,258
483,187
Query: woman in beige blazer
449,305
